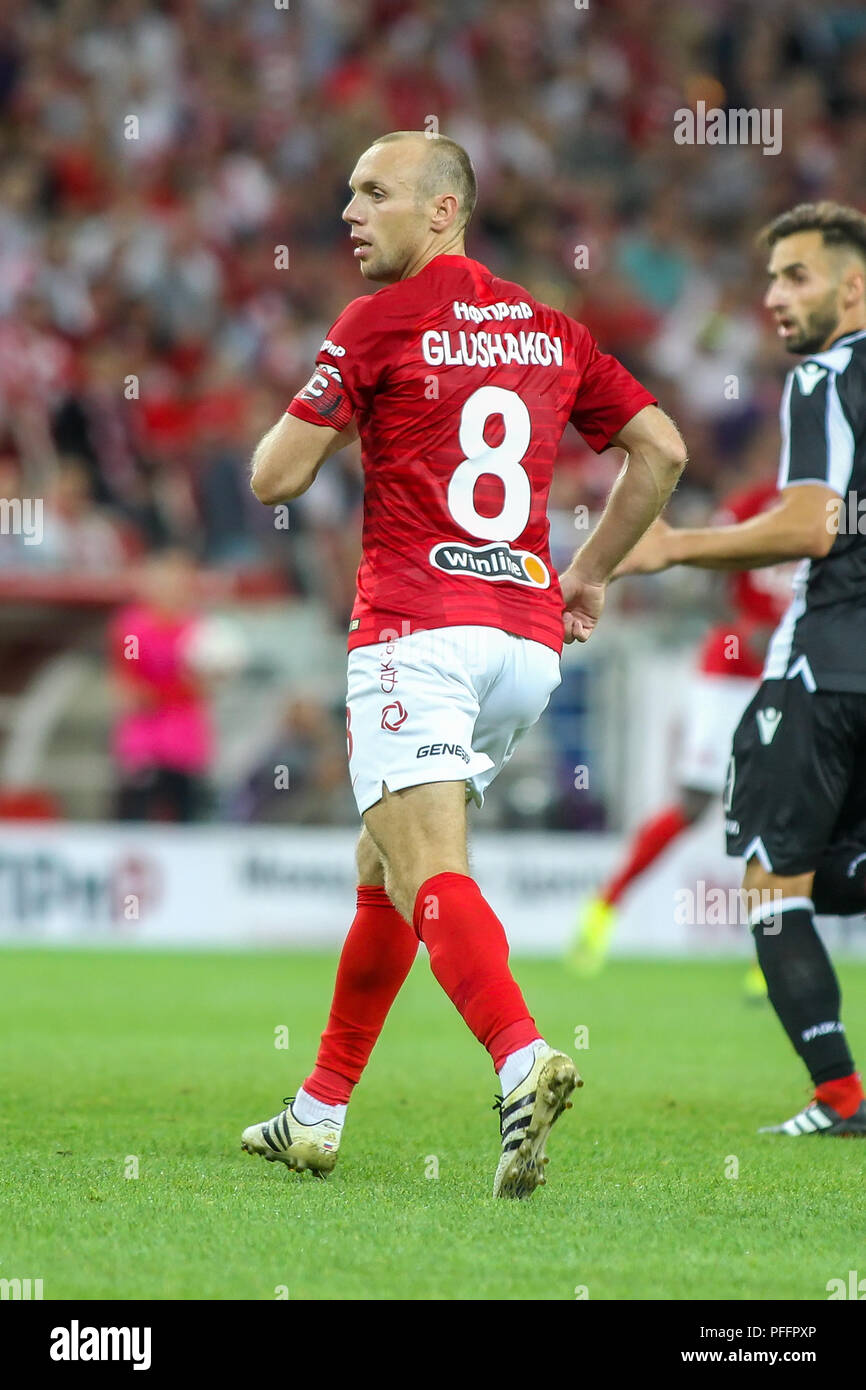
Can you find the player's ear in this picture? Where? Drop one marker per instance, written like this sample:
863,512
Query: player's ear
854,287
445,212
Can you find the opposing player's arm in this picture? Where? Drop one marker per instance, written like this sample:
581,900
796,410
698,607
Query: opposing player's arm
611,407
800,526
655,458
817,458
289,456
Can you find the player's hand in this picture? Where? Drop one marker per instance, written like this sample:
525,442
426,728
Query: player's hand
651,554
582,603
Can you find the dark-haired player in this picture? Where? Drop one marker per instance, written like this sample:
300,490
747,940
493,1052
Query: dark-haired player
796,793
460,385
726,674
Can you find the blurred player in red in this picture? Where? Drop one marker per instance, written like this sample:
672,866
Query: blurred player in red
729,666
460,386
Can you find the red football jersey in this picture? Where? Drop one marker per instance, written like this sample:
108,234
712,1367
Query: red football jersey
462,385
727,650
758,597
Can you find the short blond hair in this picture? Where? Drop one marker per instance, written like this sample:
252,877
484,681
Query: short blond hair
447,169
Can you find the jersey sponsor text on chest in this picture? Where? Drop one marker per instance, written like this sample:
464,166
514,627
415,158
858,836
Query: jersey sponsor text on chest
478,312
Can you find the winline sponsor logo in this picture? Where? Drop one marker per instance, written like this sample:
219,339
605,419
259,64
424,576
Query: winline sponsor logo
496,562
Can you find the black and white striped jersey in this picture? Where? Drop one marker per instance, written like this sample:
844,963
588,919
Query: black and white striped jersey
823,418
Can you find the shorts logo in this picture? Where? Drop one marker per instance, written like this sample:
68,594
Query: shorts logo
434,750
393,717
496,563
769,720
808,376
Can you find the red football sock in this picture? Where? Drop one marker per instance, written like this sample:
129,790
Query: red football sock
377,956
647,844
844,1094
469,957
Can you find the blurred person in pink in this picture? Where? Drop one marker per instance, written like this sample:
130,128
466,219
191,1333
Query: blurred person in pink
163,739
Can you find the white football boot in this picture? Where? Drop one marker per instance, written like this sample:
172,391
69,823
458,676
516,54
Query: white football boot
526,1116
285,1140
820,1118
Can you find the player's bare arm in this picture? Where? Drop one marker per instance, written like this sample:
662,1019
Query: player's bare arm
799,527
289,456
656,457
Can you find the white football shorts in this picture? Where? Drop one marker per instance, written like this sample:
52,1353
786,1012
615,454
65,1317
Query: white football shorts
443,705
713,708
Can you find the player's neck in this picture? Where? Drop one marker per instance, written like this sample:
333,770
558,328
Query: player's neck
855,322
453,248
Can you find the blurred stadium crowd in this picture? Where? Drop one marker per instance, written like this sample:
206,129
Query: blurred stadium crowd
159,155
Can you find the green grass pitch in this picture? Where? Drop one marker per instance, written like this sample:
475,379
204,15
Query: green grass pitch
164,1058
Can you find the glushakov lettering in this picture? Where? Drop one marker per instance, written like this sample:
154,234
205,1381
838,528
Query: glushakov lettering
465,349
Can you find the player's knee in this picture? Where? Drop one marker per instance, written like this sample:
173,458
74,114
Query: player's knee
412,877
764,887
441,864
757,877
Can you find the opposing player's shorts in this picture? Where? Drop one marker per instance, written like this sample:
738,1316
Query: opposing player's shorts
714,706
797,777
444,705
